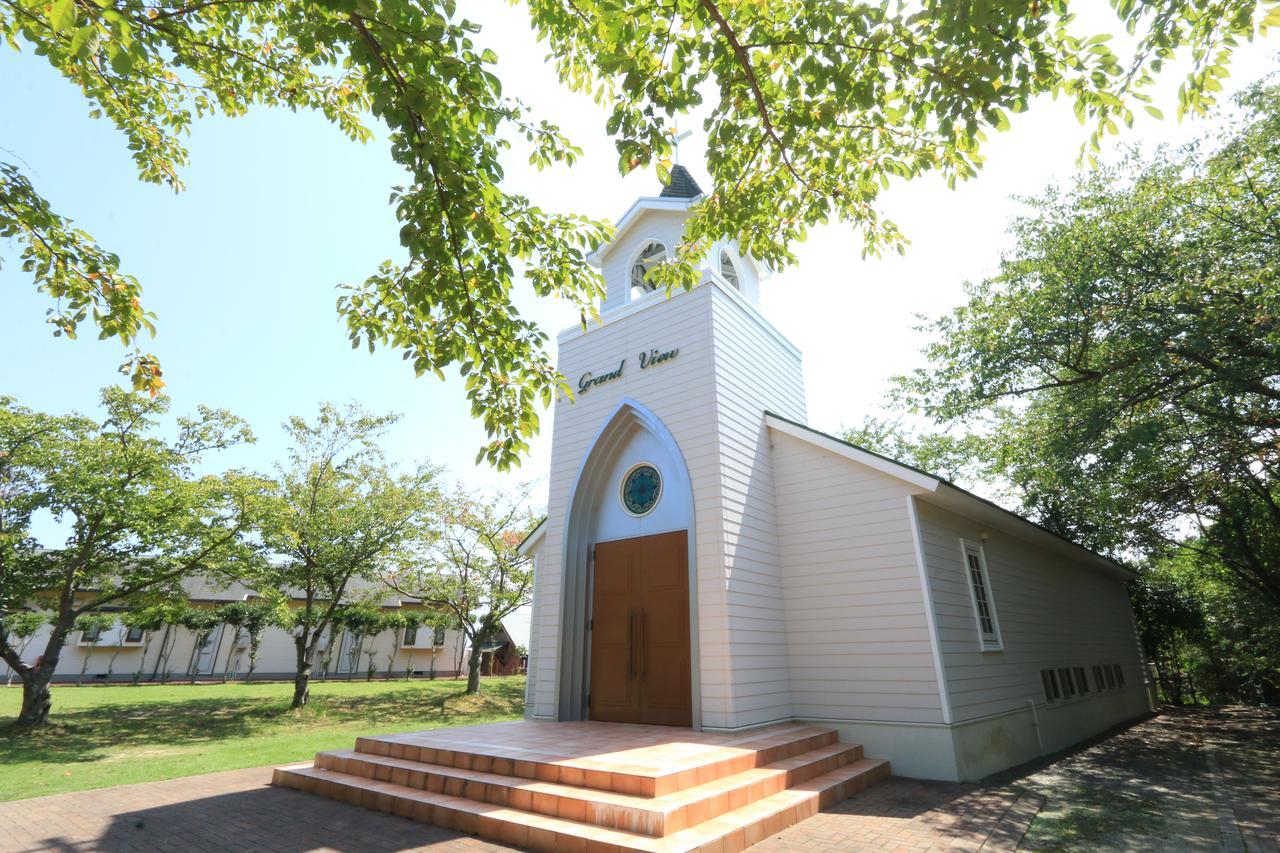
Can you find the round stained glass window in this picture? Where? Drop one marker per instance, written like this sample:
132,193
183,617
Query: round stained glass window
641,488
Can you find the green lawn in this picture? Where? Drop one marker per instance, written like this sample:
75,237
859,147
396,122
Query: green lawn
99,736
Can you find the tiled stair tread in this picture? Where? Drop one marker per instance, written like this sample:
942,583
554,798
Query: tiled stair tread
772,814
665,802
645,759
756,820
655,816
667,772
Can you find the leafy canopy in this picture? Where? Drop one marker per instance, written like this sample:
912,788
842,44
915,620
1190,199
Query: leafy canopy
139,518
337,517
473,571
1128,353
812,110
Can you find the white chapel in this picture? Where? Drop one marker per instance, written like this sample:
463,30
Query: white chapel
710,561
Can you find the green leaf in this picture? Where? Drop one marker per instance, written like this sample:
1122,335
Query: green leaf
62,15
85,41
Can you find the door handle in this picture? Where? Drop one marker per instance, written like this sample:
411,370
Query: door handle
631,645
644,644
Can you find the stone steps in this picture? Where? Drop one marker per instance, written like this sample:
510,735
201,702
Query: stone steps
732,831
656,816
750,750
596,787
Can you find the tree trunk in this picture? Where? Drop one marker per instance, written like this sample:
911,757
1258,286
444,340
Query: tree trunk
302,686
255,643
234,644
302,677
19,652
195,656
473,669
36,697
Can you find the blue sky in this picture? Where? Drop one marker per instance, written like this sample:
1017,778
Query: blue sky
241,268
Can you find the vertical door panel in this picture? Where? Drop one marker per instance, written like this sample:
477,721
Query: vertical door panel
614,695
640,642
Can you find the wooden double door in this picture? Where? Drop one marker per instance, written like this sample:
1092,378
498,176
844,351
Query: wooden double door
640,650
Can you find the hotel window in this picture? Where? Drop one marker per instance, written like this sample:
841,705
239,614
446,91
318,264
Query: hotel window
728,271
411,635
984,604
133,635
1081,684
92,635
1068,688
648,258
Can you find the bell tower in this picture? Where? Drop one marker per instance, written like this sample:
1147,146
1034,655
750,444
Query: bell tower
662,442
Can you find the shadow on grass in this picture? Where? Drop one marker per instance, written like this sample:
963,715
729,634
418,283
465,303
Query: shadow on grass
147,720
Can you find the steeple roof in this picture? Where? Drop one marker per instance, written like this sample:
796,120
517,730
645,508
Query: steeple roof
681,185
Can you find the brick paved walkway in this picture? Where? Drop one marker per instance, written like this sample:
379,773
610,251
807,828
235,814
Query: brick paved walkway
213,813
915,816
1188,780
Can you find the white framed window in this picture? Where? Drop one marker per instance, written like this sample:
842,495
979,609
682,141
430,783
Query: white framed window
984,602
728,270
134,636
422,637
651,253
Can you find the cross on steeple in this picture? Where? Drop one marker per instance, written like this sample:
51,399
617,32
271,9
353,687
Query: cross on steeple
676,139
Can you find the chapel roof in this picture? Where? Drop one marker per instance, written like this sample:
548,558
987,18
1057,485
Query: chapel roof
681,185
940,486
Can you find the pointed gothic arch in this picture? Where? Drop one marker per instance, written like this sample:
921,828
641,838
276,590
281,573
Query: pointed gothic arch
631,433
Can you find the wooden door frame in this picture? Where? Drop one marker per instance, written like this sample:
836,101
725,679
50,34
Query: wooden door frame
573,657
591,614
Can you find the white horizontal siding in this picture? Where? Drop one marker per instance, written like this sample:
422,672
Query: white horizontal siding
712,397
857,636
754,372
1051,613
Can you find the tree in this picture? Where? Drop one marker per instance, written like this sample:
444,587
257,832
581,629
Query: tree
253,617
148,620
339,515
140,520
961,458
91,627
1129,353
813,109
395,622
201,622
1208,640
19,629
440,623
411,620
474,571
